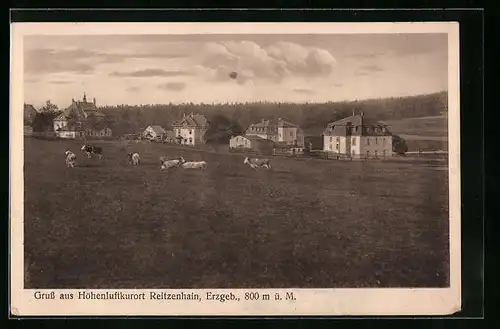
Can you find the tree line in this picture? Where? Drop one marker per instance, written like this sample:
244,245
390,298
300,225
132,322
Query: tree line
228,119
309,116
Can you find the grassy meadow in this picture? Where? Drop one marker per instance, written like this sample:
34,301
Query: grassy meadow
304,223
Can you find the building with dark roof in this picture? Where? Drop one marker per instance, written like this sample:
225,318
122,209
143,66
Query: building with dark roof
154,132
81,119
358,136
250,142
278,131
191,129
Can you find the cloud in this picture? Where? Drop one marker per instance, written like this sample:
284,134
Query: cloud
371,55
42,61
275,62
61,82
371,68
133,89
151,73
304,91
174,86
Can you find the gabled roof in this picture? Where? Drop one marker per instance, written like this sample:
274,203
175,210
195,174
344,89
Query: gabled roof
271,126
192,120
285,124
255,139
81,110
359,125
158,129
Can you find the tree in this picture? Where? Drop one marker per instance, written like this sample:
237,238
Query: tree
49,107
221,129
399,145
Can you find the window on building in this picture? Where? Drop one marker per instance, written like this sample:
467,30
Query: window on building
331,148
354,141
191,132
383,140
331,139
384,153
190,140
291,133
367,153
368,141
338,139
376,140
376,153
337,146
353,152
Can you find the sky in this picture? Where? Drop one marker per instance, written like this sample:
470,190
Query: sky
161,69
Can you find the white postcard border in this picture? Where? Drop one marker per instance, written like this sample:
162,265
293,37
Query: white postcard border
377,301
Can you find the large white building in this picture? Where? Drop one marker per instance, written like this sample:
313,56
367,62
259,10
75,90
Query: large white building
191,129
358,137
279,131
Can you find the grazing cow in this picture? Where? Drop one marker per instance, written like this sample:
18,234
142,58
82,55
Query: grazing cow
171,163
90,149
70,159
258,163
194,165
134,159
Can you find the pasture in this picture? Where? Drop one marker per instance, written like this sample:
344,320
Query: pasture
304,223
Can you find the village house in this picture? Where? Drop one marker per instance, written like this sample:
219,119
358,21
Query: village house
281,131
255,143
154,132
191,129
29,116
81,119
358,137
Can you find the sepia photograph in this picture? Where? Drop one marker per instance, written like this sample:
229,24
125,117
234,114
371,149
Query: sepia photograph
236,160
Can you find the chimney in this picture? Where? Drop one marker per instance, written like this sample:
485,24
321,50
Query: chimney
72,100
95,102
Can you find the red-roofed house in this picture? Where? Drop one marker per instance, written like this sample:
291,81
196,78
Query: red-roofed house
191,129
357,136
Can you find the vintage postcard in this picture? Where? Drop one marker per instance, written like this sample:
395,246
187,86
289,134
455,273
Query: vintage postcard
235,169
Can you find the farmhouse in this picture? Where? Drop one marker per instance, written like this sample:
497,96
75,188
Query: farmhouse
278,131
255,143
154,132
191,129
80,120
357,136
29,116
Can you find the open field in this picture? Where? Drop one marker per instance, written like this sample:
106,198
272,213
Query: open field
424,133
305,223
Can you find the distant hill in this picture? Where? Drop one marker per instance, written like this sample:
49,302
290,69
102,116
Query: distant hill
312,117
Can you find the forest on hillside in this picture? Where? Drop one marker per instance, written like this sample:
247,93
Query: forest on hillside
310,116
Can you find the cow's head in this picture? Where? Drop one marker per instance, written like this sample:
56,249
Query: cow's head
246,160
67,152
